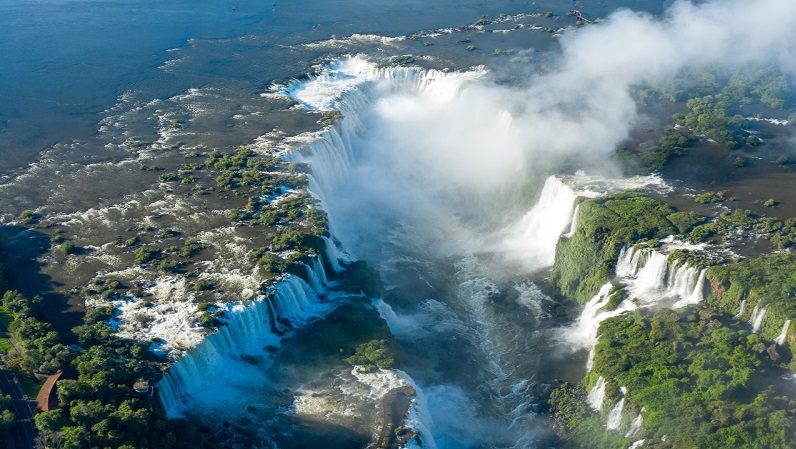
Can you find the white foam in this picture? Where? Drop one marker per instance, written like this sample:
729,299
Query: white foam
596,395
784,334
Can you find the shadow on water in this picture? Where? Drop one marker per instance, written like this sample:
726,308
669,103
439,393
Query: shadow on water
309,432
22,248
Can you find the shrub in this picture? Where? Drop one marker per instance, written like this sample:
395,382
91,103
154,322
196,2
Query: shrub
28,217
68,248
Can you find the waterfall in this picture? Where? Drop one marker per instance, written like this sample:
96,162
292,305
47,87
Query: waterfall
636,444
614,419
635,425
419,417
541,228
741,309
316,275
333,255
629,262
597,395
753,317
573,227
782,335
583,333
399,326
757,319
697,294
331,157
248,332
650,277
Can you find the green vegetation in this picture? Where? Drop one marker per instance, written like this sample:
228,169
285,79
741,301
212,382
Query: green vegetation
709,116
769,280
738,224
7,417
330,117
68,248
353,333
28,217
700,382
645,159
685,221
586,261
403,60
712,109
710,197
374,352
42,350
100,409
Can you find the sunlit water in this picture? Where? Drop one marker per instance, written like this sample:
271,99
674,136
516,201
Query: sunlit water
92,90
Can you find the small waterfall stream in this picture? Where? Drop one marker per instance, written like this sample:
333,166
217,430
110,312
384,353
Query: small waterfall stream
756,320
596,395
784,334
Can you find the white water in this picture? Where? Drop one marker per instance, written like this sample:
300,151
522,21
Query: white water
597,395
536,235
635,425
408,188
213,375
753,317
573,227
614,419
649,280
757,319
636,444
784,334
401,327
334,256
539,230
741,309
583,333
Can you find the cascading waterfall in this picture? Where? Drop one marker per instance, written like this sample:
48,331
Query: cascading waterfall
583,333
399,326
753,317
316,275
365,189
741,309
757,319
248,332
649,279
635,425
597,395
636,444
614,419
573,227
784,334
542,227
333,255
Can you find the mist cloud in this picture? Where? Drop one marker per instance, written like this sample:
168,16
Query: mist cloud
455,157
